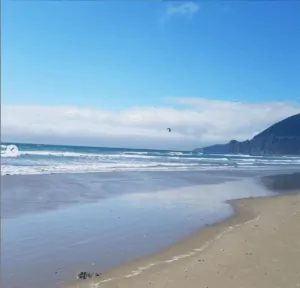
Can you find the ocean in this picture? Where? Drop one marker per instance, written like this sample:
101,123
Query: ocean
28,159
58,218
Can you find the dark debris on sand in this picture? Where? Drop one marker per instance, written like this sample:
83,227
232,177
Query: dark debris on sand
85,275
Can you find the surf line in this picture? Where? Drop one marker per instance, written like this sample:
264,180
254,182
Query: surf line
175,258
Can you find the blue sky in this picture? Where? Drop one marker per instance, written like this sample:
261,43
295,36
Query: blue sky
114,55
90,53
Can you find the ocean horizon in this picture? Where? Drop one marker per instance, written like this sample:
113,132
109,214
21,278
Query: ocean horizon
26,159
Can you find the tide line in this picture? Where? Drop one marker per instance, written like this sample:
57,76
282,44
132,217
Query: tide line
175,258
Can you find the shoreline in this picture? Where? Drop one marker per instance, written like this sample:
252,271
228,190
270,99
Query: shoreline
162,265
94,187
127,234
196,242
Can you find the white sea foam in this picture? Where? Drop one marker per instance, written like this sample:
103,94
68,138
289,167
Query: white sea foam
10,151
36,161
28,170
101,155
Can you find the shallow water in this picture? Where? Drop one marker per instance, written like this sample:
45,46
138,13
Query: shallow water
48,240
37,193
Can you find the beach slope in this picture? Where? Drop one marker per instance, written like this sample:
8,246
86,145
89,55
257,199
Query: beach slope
259,247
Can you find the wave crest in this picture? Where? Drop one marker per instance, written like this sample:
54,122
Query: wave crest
11,150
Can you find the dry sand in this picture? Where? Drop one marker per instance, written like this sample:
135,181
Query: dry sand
258,248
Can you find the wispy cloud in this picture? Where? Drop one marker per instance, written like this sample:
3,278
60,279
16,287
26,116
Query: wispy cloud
204,122
187,10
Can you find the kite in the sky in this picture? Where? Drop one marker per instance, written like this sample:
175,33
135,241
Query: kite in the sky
169,129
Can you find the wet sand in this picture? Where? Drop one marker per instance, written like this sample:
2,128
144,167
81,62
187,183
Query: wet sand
58,231
259,247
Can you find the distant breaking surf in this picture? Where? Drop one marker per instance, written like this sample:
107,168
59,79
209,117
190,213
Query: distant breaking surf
44,159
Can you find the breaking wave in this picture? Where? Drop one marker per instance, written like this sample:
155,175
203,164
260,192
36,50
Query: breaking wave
41,159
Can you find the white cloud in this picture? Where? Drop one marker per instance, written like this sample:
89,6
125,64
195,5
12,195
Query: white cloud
205,122
188,10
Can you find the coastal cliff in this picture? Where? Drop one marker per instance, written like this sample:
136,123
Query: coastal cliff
282,138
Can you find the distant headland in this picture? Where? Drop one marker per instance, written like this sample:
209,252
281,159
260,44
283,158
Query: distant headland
282,138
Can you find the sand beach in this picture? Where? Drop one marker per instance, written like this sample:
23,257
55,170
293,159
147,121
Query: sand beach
238,229
258,247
